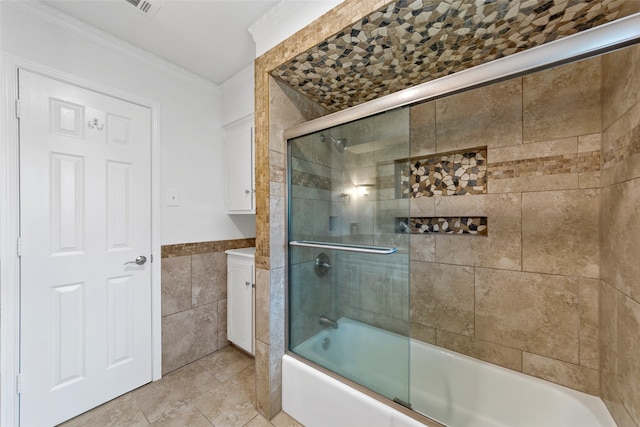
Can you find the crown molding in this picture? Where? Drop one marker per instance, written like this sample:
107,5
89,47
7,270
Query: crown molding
58,19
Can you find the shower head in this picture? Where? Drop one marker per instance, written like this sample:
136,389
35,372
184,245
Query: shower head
338,144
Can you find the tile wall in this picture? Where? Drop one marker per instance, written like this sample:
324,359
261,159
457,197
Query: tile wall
526,295
620,243
194,300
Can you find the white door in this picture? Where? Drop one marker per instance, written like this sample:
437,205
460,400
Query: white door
85,208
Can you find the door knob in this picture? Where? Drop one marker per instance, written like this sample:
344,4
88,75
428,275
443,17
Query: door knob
139,260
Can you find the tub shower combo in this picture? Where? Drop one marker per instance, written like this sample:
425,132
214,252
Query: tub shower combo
353,358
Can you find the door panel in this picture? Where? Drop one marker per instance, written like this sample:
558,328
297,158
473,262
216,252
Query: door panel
85,206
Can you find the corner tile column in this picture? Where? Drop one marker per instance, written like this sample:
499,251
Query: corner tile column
270,190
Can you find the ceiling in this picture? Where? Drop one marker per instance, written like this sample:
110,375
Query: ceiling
210,38
409,42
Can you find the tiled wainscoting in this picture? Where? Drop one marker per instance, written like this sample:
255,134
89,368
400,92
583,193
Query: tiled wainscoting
194,300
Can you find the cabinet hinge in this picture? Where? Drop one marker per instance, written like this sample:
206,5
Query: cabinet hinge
19,383
17,108
151,258
19,246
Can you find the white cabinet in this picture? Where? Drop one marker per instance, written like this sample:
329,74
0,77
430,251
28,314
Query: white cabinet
241,298
240,167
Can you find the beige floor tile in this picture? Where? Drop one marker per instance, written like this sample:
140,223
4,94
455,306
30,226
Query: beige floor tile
284,420
259,421
116,413
159,398
183,414
225,363
232,403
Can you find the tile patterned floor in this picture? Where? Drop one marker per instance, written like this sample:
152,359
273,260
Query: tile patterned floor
217,390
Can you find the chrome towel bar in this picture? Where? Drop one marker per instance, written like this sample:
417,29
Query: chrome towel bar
382,250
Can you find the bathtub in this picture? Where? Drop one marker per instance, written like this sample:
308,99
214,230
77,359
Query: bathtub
453,389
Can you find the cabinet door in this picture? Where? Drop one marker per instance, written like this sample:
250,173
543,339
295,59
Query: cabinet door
240,302
240,164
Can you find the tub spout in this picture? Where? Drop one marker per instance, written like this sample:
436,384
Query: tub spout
325,321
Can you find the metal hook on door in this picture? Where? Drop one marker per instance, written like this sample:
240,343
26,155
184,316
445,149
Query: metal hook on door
94,123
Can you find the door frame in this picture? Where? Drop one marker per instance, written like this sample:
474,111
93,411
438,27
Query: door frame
10,224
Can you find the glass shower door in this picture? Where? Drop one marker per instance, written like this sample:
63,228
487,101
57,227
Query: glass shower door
348,262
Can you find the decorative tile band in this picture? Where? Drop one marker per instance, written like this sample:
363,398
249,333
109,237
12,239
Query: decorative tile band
451,174
623,148
551,165
306,179
443,225
408,42
183,249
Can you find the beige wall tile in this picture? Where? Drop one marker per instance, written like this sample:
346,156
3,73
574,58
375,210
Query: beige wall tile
615,407
560,232
262,312
423,129
501,248
565,181
628,328
489,352
276,349
176,284
277,216
422,206
588,291
621,221
177,339
208,278
423,333
205,331
591,142
590,180
222,324
442,296
533,150
422,247
608,333
562,102
490,116
537,313
276,303
563,373
468,205
620,149
620,83
263,396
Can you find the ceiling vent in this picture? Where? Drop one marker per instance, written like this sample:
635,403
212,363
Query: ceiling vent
145,7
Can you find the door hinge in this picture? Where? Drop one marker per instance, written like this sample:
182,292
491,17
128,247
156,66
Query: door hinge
19,383
17,108
151,258
19,246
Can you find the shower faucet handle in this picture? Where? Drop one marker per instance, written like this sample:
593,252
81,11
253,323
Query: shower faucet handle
322,265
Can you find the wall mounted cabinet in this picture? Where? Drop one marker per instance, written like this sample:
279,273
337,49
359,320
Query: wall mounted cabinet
240,155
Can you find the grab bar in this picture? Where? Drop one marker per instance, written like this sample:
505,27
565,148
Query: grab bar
382,250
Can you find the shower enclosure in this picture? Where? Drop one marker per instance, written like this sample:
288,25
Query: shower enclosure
347,260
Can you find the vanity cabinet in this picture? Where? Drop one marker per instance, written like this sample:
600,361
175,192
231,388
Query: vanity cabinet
241,298
240,173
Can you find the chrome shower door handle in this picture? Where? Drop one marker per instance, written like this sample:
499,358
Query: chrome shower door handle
141,260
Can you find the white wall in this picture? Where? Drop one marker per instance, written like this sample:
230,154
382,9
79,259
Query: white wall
191,134
285,19
238,95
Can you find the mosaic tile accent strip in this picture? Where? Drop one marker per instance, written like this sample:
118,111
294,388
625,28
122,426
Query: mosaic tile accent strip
624,147
450,174
406,43
309,180
182,249
476,226
552,165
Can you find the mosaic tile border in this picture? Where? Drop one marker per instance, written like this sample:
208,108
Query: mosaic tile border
309,180
624,147
476,226
550,165
408,42
444,174
183,249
